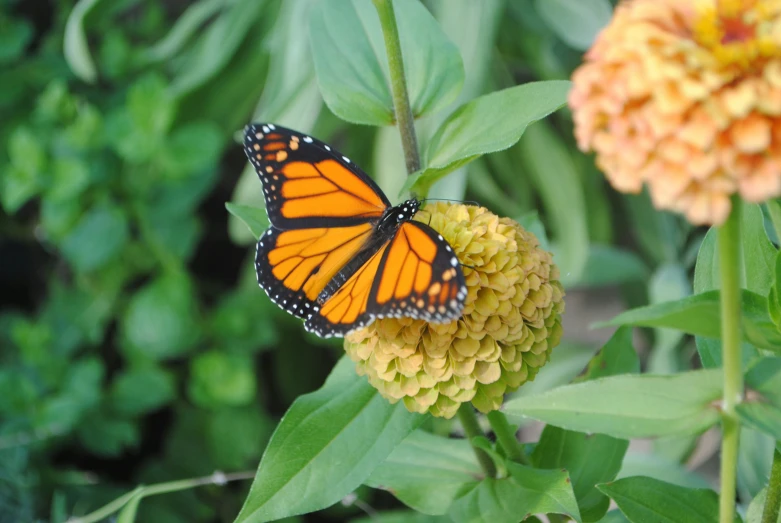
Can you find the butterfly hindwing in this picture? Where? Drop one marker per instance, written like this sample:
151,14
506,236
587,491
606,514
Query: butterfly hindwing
308,184
415,274
419,277
294,266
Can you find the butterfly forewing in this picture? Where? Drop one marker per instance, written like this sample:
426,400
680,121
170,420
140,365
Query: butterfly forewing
308,184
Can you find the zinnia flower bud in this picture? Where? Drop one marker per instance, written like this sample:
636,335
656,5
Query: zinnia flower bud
511,321
685,96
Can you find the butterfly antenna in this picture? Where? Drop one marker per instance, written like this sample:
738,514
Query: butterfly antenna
471,202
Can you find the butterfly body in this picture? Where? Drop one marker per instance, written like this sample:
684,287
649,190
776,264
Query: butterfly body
338,254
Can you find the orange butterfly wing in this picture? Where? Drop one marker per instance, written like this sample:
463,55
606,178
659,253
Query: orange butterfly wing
413,275
308,184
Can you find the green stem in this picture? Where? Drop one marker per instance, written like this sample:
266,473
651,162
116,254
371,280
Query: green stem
773,499
468,418
505,435
401,106
729,264
218,478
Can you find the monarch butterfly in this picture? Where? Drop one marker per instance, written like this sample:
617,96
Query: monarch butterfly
337,254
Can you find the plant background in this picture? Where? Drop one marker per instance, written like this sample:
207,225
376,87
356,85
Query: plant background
135,346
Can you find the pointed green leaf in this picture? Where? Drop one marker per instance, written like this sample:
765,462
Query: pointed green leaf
525,492
426,472
327,444
646,499
255,218
629,406
700,315
481,126
352,65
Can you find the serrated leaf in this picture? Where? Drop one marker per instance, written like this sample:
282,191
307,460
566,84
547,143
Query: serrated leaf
629,406
352,66
327,444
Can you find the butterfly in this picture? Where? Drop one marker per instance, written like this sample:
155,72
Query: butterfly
338,254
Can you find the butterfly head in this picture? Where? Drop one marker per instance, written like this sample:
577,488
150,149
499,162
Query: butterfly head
399,214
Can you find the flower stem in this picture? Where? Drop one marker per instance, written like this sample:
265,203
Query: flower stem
505,435
401,106
218,478
729,263
468,418
773,499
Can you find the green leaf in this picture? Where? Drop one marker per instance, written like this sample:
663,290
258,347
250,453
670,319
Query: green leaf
97,238
218,378
107,436
618,356
75,45
756,258
161,321
669,282
755,458
129,511
481,126
141,390
15,35
662,468
215,46
70,178
700,315
191,148
352,66
577,23
150,107
647,499
555,176
594,458
761,409
589,459
185,27
629,406
525,492
327,444
426,472
255,218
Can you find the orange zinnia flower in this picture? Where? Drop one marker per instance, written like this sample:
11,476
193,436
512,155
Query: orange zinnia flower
685,96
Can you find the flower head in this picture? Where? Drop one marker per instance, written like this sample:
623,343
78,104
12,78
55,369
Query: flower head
511,321
685,96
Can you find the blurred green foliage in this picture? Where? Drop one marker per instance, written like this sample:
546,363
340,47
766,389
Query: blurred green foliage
135,346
